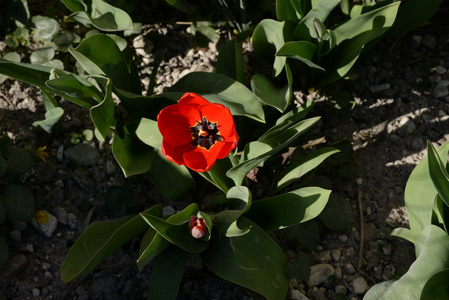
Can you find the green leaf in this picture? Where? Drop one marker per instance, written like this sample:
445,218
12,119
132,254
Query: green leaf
217,175
182,5
103,114
320,11
433,258
267,39
152,244
111,62
420,194
18,203
297,169
148,132
239,201
100,14
288,209
166,274
175,182
176,229
436,287
252,260
257,152
230,61
352,36
289,10
133,156
76,89
300,50
32,74
45,28
42,55
4,251
139,106
49,100
269,94
218,88
100,240
51,118
438,172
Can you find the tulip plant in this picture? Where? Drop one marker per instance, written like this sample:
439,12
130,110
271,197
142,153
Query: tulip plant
427,203
169,137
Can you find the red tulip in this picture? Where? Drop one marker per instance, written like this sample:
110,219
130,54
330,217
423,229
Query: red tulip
196,132
197,227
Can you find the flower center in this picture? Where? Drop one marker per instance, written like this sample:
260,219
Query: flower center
205,134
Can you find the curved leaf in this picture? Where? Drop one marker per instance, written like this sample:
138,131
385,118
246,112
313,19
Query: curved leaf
51,118
300,50
252,260
436,287
267,39
267,93
438,172
218,88
433,258
288,209
103,114
100,240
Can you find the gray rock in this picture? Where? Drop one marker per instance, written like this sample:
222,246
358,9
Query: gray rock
336,254
16,235
83,154
379,88
343,238
359,285
36,292
429,41
168,211
338,273
324,256
340,289
441,70
441,90
320,273
297,295
349,268
13,264
110,167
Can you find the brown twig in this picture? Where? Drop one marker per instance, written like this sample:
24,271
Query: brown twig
362,230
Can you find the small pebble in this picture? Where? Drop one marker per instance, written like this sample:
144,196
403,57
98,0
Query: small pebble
340,289
168,211
36,292
16,235
343,238
359,181
336,254
320,273
359,285
349,269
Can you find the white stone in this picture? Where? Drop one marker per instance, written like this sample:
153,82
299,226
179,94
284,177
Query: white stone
320,273
359,285
48,227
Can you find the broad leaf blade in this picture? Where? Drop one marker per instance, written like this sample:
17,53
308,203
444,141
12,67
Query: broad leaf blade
436,286
100,240
267,93
438,172
289,209
103,114
218,88
300,167
253,260
166,274
433,258
301,50
230,61
51,118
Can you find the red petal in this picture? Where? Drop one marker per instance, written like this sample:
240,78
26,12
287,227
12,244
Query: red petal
202,160
174,123
227,148
221,115
192,99
175,154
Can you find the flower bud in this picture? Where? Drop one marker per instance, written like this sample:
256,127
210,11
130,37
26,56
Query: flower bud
197,227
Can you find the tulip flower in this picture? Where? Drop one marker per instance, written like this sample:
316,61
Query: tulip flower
197,227
195,132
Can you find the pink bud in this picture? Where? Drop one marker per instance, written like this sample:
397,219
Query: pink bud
197,232
197,227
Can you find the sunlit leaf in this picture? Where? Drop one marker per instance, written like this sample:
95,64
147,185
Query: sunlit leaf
51,118
438,172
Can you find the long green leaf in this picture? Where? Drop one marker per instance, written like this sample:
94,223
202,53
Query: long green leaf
111,62
433,258
320,11
99,14
257,152
438,172
289,209
265,90
230,61
300,167
252,260
420,194
51,118
167,274
100,240
352,36
133,156
436,287
300,50
267,39
173,181
218,88
148,251
103,114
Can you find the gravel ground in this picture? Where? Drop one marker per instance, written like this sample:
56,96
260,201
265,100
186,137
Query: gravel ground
401,101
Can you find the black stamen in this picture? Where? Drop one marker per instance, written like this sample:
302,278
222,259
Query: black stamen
205,134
